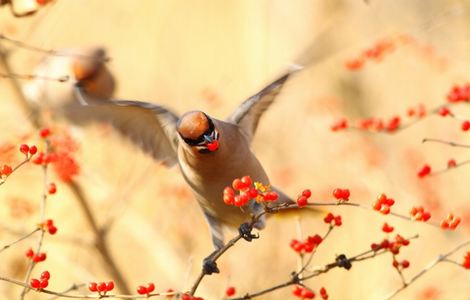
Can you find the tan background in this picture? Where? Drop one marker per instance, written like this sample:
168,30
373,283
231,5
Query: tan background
211,55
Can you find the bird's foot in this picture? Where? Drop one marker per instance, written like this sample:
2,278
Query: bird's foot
245,232
209,266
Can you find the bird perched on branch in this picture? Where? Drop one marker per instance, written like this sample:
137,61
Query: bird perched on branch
210,152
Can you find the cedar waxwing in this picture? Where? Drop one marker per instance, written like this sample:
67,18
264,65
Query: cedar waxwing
210,152
84,65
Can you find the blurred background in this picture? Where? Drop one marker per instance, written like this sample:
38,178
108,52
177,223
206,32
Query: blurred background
211,55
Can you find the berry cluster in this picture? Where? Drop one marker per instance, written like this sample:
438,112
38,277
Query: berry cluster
42,282
52,188
101,287
459,93
39,257
333,220
392,246
419,214
306,293
145,290
387,228
307,246
49,226
302,199
383,204
6,170
28,151
341,124
466,261
400,265
450,222
341,194
247,191
374,53
230,291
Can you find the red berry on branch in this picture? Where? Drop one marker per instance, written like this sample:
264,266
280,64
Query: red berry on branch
93,287
426,170
52,189
45,275
230,291
35,283
24,149
33,150
44,133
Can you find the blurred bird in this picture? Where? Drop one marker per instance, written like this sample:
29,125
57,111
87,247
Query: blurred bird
210,152
67,67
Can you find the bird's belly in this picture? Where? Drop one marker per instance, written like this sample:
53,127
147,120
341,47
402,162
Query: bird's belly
208,189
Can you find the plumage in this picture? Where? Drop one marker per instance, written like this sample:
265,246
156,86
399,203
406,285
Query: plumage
170,139
86,65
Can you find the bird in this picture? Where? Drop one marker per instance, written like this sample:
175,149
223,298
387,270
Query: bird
209,152
54,78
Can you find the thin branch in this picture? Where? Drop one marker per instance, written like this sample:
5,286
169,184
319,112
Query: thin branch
440,258
19,240
32,264
95,296
26,46
439,141
4,179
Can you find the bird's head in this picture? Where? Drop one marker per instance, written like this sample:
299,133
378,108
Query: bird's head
198,131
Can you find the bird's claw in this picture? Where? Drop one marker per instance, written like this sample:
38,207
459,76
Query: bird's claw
209,266
245,232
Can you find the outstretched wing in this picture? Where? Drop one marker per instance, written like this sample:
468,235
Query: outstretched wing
248,114
151,127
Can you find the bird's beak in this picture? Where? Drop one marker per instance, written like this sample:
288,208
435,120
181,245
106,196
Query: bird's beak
211,143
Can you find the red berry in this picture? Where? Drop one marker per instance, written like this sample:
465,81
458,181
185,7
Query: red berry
451,163
45,275
405,264
213,146
32,150
109,286
30,253
387,228
229,199
6,170
246,181
52,188
43,283
337,193
444,111
354,64
52,229
307,193
150,287
35,283
24,149
230,291
102,287
425,170
237,184
338,221
302,201
253,193
141,290
323,293
93,287
44,133
465,125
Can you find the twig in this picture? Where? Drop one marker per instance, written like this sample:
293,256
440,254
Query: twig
4,179
26,46
19,240
100,242
65,295
440,258
43,219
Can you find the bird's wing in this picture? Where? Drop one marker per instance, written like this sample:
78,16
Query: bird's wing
151,127
248,114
